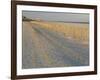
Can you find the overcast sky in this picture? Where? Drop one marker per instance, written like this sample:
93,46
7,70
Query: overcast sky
57,16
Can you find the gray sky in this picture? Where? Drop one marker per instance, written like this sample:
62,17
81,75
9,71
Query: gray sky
57,16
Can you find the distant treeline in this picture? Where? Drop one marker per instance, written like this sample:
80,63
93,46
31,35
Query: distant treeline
26,19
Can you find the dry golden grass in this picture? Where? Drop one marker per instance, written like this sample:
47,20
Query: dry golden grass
76,31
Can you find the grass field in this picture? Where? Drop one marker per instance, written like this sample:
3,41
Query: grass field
73,31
